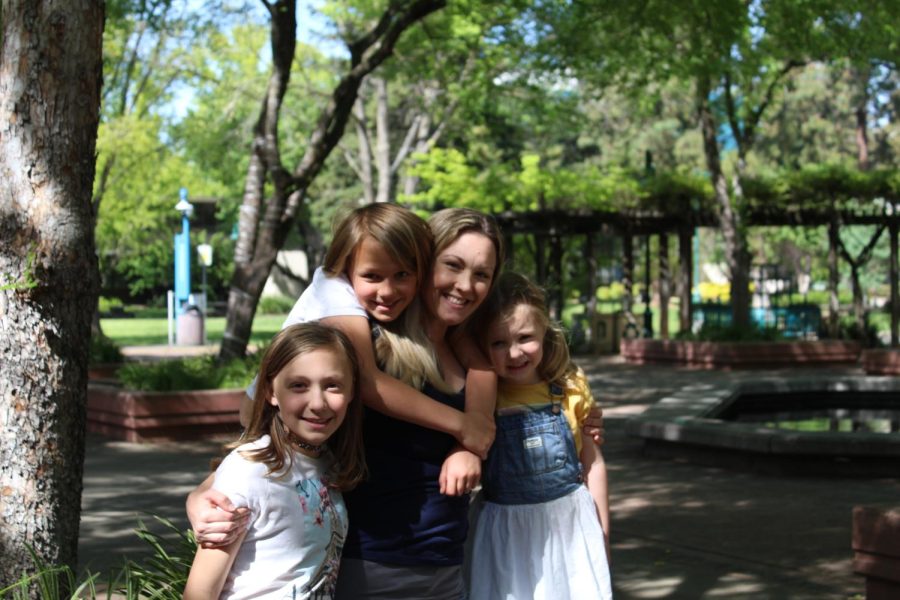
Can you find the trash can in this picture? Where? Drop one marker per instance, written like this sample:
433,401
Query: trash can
189,327
607,330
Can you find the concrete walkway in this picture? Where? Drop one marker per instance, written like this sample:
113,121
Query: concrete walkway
679,530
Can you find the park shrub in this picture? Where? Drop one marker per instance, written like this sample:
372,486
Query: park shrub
186,374
275,305
104,350
107,305
161,575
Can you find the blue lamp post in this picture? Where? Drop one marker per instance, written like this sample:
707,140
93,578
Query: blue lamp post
183,253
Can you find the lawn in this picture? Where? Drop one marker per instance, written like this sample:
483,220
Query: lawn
154,331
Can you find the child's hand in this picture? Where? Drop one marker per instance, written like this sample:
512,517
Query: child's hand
460,472
477,433
593,425
215,520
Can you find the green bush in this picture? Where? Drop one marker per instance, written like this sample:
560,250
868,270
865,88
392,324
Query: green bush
275,305
184,374
104,350
106,305
711,332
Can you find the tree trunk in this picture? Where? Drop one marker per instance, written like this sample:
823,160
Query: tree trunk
265,221
730,222
861,76
382,142
50,75
834,280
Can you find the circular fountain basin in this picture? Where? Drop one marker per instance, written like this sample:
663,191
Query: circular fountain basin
838,425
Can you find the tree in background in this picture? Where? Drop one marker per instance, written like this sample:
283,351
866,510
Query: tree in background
273,192
50,72
735,56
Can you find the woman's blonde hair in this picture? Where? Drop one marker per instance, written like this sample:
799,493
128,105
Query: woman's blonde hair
345,444
404,234
513,290
403,348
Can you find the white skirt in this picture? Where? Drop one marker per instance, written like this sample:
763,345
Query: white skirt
548,551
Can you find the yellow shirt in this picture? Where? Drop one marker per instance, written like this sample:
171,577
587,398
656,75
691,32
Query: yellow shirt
576,402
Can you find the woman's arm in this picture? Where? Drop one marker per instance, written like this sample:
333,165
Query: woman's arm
595,477
394,398
210,570
216,522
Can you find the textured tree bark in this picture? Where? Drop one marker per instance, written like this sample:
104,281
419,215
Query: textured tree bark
50,76
730,222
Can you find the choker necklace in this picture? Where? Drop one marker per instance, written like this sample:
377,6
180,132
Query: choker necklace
294,439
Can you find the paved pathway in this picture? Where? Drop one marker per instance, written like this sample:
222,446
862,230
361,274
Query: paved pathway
679,530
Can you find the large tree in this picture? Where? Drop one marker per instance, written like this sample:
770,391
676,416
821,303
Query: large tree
274,192
50,75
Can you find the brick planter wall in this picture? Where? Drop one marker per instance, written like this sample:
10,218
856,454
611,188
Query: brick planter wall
876,547
157,416
881,362
724,355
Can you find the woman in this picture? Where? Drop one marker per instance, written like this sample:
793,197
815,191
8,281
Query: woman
406,538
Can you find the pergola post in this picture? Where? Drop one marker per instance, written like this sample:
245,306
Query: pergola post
834,278
559,293
590,306
686,273
663,286
895,294
628,281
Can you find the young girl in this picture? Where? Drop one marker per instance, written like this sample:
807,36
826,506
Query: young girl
542,533
283,472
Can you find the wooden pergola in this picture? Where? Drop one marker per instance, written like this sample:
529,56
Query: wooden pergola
549,228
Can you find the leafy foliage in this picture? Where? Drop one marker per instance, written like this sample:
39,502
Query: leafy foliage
195,373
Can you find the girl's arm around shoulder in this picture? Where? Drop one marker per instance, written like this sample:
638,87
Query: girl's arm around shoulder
394,398
210,570
592,421
461,470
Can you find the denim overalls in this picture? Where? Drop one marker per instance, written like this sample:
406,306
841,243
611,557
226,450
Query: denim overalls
533,458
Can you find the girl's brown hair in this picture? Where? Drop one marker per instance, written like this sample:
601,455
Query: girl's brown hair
512,290
404,234
346,445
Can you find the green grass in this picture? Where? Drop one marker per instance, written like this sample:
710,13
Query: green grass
148,331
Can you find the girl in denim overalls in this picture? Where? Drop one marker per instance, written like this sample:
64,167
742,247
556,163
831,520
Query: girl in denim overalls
542,533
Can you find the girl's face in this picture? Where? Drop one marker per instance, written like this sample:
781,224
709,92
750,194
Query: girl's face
461,278
312,393
516,345
382,285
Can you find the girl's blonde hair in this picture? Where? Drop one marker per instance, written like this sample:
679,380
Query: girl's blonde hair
346,444
404,234
404,349
513,290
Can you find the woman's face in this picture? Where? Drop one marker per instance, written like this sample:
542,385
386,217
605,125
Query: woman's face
461,278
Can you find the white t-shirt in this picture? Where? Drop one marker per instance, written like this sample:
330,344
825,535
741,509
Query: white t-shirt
324,297
296,531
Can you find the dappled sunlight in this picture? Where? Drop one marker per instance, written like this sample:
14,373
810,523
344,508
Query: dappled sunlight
732,585
648,587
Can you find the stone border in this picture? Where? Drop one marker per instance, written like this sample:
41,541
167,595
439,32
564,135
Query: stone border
876,548
725,355
161,416
881,361
686,420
